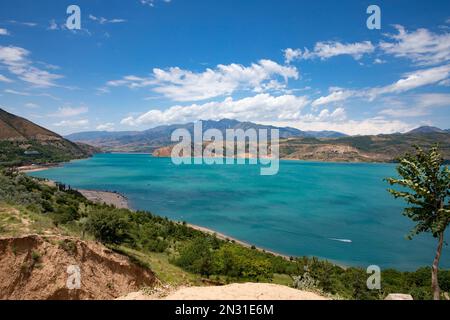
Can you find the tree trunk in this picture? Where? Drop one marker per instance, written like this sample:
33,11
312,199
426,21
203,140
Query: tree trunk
435,268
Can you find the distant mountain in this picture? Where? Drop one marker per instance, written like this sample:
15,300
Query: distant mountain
24,142
428,129
381,148
151,139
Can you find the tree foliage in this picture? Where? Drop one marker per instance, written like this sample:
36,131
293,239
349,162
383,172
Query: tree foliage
425,186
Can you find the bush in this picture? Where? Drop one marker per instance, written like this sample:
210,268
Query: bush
109,226
196,257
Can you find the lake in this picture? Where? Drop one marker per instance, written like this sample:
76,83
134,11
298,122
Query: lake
339,212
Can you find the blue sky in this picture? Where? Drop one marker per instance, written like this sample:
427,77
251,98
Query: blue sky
137,64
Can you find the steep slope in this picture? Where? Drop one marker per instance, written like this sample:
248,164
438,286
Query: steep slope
13,127
36,267
23,142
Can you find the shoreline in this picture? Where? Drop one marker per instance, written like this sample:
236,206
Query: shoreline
37,167
106,197
222,236
121,202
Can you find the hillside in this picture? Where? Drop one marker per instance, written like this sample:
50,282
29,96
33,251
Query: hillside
23,142
294,144
178,255
381,148
154,138
28,262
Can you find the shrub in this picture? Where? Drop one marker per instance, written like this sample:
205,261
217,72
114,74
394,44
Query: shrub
109,226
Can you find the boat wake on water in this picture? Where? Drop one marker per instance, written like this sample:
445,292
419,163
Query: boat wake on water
341,240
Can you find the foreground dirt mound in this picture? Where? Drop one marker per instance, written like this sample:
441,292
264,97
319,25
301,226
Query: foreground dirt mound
35,267
237,291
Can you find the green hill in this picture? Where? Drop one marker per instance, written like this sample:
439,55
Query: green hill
22,142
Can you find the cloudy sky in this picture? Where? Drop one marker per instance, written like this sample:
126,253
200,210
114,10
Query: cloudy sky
313,65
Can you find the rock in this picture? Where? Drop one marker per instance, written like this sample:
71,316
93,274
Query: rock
399,296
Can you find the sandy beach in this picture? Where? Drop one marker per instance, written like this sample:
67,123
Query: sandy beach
110,198
36,168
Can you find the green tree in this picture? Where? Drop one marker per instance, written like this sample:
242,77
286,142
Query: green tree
196,257
425,186
109,226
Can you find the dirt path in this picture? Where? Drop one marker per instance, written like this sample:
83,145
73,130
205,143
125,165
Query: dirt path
236,291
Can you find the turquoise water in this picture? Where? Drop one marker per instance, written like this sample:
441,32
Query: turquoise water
303,210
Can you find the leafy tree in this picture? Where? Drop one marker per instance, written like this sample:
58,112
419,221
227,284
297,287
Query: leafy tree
109,226
425,186
196,257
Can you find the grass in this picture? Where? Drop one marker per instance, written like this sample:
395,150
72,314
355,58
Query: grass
282,279
10,222
163,269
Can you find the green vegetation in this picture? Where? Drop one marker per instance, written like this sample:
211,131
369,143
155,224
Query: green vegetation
14,152
429,181
381,148
179,254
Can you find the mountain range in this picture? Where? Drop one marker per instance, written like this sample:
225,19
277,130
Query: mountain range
151,139
294,144
23,142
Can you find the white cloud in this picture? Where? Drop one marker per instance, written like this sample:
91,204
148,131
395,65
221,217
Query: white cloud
102,90
410,81
103,20
65,112
421,46
262,107
369,126
72,123
417,105
151,3
328,49
53,25
413,80
5,79
336,115
23,23
18,93
105,126
292,54
31,105
184,85
4,32
17,62
335,96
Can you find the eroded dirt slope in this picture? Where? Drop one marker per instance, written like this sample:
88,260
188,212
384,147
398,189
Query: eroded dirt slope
35,267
